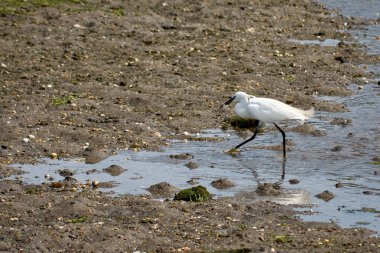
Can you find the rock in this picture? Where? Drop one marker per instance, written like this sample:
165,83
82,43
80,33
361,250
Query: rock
268,189
308,129
162,189
325,196
341,122
56,185
91,171
293,181
192,181
65,173
185,156
54,155
233,152
340,59
336,149
194,194
192,165
241,123
222,183
368,193
114,170
70,181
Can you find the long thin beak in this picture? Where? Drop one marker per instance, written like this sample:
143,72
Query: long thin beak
229,101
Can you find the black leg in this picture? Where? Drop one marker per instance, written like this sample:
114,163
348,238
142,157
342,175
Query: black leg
283,137
250,139
283,168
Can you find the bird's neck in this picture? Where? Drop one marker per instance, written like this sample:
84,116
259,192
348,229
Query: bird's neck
241,109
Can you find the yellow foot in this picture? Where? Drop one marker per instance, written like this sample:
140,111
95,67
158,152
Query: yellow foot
233,151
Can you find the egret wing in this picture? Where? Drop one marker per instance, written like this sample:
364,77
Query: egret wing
271,110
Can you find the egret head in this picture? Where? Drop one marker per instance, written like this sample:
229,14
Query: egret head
238,96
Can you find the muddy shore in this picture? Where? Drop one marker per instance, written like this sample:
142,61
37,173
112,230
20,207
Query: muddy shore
88,78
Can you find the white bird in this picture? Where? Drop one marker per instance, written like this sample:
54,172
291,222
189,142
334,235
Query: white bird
266,110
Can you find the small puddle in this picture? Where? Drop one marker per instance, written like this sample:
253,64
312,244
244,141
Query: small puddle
323,43
311,161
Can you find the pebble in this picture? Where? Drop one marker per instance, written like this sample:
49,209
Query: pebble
293,181
26,140
336,149
157,134
31,136
53,155
78,26
95,183
154,226
192,181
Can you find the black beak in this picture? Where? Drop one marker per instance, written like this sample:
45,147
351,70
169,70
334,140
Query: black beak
229,101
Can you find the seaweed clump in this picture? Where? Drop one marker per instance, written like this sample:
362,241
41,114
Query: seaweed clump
194,194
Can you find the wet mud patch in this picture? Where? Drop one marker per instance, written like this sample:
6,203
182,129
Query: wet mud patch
114,170
222,183
308,129
163,190
6,171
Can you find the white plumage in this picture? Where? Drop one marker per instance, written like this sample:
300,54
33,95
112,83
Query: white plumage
267,110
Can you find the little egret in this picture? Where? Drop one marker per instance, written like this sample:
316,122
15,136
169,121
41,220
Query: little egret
266,110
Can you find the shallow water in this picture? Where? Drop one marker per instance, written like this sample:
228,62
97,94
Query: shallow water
359,8
311,161
324,43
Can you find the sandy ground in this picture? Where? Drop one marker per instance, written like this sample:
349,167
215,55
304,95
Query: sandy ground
87,78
